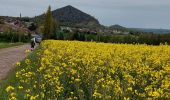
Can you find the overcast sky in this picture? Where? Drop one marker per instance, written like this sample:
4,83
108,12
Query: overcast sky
129,13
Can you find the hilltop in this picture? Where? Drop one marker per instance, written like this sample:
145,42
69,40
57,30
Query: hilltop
71,16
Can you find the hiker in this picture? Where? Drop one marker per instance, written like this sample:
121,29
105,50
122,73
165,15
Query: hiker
33,42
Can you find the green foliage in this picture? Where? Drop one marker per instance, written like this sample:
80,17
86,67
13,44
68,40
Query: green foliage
25,19
11,78
14,37
32,27
1,21
6,45
151,39
49,25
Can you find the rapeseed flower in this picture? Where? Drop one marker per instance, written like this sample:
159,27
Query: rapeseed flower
89,70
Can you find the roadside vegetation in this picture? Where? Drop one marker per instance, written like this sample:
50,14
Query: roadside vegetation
6,45
13,37
11,78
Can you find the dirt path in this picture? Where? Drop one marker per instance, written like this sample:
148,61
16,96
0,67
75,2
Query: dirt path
9,57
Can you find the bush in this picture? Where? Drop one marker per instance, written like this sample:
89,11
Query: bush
14,37
150,39
1,21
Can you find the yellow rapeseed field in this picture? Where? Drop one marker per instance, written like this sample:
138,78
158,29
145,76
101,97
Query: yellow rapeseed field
72,70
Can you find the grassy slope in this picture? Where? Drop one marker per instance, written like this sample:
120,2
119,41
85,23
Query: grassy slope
6,45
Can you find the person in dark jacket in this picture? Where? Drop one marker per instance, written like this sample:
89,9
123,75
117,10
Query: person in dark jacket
33,42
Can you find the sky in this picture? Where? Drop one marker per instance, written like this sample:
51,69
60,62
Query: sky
128,13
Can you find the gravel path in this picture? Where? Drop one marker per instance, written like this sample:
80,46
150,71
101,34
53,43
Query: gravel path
9,57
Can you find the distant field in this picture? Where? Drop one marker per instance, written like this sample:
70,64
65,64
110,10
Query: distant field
6,45
73,70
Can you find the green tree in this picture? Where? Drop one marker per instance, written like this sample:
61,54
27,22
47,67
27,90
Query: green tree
76,36
49,25
82,37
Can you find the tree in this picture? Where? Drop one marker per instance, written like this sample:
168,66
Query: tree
76,36
82,37
49,25
32,27
61,36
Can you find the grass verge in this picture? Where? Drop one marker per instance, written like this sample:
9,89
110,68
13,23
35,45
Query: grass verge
11,78
6,45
